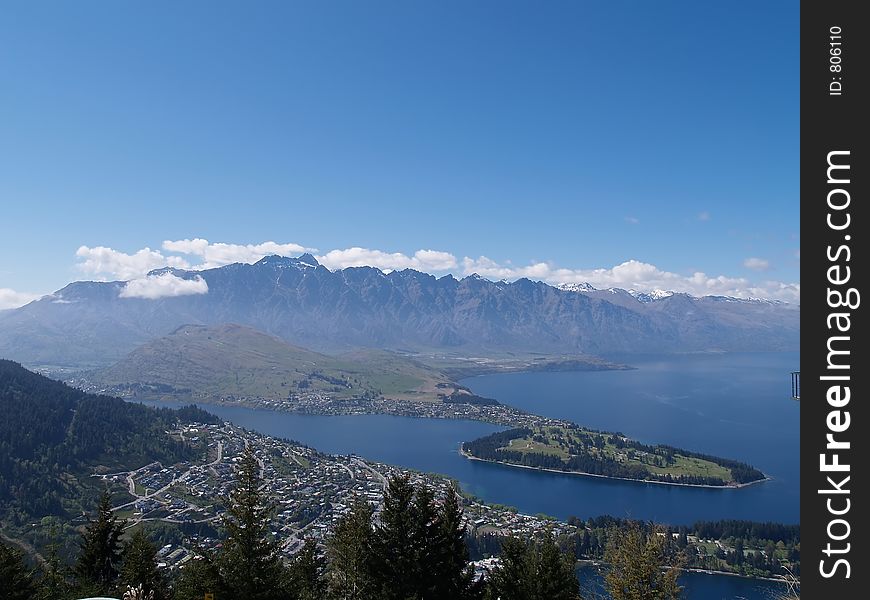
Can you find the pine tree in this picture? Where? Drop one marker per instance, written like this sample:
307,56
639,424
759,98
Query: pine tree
307,573
16,579
554,578
199,577
395,557
636,560
533,571
424,544
453,576
53,584
510,580
97,567
249,562
139,567
349,571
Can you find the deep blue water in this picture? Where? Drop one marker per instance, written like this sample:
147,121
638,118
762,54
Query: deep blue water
698,586
734,405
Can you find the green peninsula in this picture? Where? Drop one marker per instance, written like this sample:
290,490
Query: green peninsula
567,447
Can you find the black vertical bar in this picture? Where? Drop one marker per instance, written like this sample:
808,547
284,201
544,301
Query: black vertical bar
834,107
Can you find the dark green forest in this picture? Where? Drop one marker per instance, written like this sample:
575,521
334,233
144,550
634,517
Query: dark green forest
52,437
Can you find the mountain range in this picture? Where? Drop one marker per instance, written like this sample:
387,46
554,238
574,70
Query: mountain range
94,324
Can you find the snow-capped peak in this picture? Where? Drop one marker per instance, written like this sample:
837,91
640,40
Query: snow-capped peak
769,301
651,296
307,261
576,287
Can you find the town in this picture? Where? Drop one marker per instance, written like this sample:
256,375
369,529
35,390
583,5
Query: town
310,491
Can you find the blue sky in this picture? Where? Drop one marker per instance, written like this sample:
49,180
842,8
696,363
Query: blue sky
556,140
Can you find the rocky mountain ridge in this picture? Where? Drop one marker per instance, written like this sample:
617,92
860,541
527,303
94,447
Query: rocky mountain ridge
89,324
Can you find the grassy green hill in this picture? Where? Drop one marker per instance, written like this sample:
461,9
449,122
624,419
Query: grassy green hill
227,361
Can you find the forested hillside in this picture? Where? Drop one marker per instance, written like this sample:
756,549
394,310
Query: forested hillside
52,435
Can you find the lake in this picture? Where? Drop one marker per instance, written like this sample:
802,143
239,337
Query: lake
698,586
733,405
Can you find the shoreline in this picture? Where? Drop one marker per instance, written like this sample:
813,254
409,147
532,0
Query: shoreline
482,418
582,474
598,563
730,574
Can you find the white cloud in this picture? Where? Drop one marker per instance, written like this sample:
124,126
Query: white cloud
776,290
105,262
423,260
631,274
12,299
219,254
489,268
637,275
704,216
756,264
165,285
632,220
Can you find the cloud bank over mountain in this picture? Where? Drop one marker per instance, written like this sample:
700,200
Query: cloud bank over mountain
198,254
640,276
91,323
103,263
164,285
12,299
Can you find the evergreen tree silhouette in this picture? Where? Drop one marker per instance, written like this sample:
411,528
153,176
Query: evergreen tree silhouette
533,571
16,579
349,551
555,578
199,577
249,563
452,575
54,582
96,569
307,573
139,567
396,567
510,579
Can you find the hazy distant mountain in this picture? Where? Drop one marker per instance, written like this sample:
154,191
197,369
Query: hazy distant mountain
304,303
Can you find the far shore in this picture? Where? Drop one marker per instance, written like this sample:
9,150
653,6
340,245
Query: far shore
730,574
589,562
485,418
730,486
